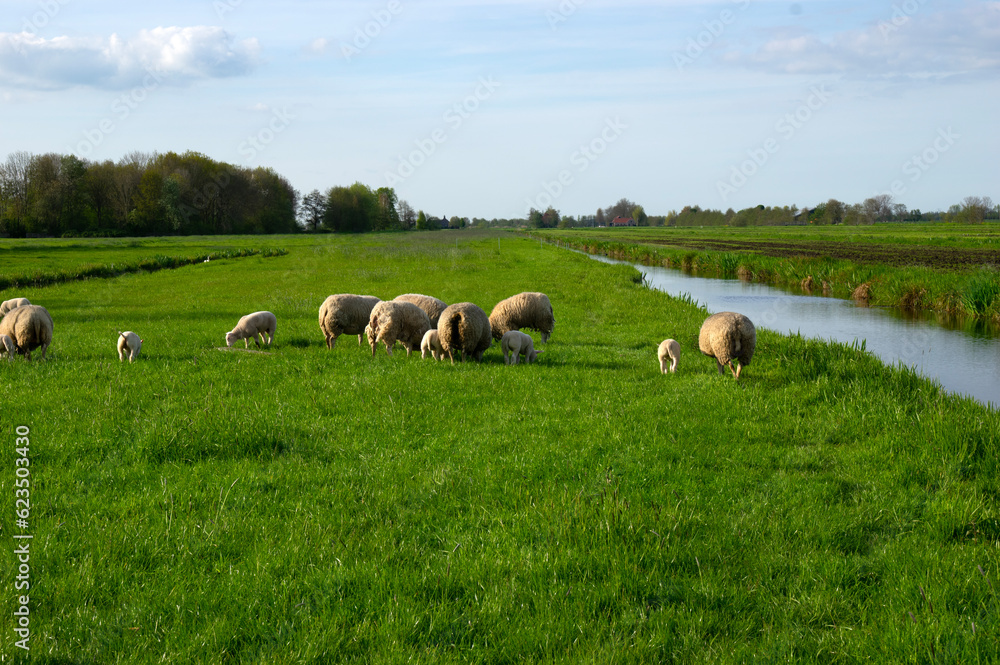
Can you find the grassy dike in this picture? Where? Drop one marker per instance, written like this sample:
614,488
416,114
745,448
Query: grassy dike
315,506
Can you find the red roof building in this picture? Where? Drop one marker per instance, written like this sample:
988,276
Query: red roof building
623,221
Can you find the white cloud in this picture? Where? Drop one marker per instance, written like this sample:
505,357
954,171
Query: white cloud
917,45
174,55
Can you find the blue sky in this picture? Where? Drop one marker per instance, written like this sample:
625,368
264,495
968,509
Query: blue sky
483,109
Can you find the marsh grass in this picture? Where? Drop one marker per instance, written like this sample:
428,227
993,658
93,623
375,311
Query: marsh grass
308,505
907,287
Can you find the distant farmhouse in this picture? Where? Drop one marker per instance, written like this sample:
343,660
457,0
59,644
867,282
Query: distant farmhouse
623,221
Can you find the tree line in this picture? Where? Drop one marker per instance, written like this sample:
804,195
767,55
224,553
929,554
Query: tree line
191,194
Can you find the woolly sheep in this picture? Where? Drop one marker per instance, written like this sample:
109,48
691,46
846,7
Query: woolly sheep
669,353
525,310
392,321
464,327
431,305
7,347
128,345
345,314
252,325
431,345
13,303
29,327
516,343
728,336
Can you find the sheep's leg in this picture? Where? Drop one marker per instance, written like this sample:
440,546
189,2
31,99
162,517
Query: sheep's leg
360,335
514,357
736,372
451,354
121,356
720,365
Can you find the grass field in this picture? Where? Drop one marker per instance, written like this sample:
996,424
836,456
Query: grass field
950,269
314,506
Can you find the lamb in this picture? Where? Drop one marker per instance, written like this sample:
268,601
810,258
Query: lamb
728,336
517,343
525,310
7,347
252,325
13,303
29,327
128,344
345,314
431,344
464,327
668,353
393,321
431,305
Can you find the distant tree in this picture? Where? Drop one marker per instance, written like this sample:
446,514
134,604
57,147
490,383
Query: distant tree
834,212
535,219
640,216
550,218
623,208
407,217
877,208
351,209
421,221
457,222
313,209
975,208
599,218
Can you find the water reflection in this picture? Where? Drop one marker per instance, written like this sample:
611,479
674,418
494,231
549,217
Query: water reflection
963,356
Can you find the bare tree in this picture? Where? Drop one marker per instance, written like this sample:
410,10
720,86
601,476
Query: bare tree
313,209
877,208
407,216
974,208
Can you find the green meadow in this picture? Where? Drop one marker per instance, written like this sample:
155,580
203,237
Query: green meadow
303,505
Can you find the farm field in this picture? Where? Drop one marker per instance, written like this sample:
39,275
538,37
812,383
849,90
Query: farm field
948,268
307,505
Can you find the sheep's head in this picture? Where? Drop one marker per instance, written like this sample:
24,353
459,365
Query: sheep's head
230,338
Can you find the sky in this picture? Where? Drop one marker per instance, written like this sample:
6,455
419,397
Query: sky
488,108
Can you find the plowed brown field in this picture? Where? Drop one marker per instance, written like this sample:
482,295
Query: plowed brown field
894,255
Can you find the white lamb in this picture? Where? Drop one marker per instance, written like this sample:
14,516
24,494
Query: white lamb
431,345
515,343
668,353
128,345
13,303
7,347
252,325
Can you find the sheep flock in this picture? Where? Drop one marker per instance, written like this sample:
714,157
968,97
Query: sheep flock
418,322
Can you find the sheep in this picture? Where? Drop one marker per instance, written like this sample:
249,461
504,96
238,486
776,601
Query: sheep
345,314
393,321
7,347
464,327
252,325
728,336
525,310
431,344
13,303
29,327
128,344
516,343
669,353
431,305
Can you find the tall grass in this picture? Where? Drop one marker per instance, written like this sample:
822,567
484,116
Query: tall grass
306,505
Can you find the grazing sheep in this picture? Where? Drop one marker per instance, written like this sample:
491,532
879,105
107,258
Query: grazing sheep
7,347
525,310
29,327
515,343
13,303
128,345
464,327
431,305
393,321
345,314
431,344
728,336
669,353
252,325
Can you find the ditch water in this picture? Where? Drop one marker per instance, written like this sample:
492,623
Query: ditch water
965,361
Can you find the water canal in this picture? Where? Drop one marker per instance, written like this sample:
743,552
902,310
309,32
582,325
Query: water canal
964,361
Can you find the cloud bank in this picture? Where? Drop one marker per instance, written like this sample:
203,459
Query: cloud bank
175,55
